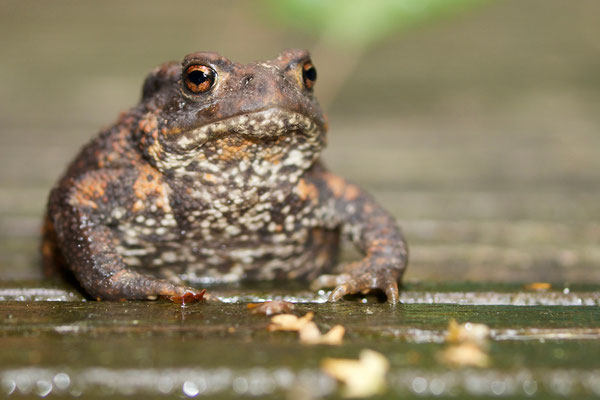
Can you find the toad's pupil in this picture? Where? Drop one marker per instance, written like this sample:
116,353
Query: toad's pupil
311,74
197,77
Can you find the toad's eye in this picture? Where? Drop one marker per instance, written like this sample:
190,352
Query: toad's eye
309,75
199,78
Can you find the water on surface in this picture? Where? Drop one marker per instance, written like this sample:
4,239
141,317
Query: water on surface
130,349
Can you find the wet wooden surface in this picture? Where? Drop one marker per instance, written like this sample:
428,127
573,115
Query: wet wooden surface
543,344
481,134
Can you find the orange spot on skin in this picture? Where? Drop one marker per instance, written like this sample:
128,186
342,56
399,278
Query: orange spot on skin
148,183
171,132
88,191
377,245
336,184
47,245
234,149
272,156
379,261
148,123
307,191
352,192
137,206
326,124
47,249
118,150
341,188
119,275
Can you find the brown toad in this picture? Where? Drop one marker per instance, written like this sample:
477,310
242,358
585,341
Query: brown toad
214,177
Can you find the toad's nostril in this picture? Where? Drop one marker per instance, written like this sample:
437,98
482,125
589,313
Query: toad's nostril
247,79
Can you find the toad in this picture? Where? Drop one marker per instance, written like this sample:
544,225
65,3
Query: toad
215,176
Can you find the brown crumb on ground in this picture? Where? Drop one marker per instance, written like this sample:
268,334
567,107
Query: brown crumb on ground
269,308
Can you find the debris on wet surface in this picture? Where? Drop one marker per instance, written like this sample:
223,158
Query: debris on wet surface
467,345
465,355
271,307
364,377
289,322
310,334
540,286
187,298
152,348
308,331
468,332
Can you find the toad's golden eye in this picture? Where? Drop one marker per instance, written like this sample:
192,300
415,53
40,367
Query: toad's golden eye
309,75
199,78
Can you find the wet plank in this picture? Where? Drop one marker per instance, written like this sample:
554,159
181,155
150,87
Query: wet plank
158,348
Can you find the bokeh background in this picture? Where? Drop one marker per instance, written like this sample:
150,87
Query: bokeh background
476,123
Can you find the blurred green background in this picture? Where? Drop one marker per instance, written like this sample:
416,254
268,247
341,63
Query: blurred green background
475,122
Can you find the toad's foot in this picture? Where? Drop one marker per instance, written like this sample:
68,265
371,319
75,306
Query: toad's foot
361,277
129,285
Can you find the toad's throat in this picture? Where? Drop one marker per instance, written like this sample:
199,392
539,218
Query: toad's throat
270,123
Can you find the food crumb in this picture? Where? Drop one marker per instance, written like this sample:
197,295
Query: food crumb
289,322
307,330
468,345
464,355
467,332
310,334
361,378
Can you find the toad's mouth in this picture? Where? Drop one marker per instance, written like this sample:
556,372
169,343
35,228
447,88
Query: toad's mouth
269,123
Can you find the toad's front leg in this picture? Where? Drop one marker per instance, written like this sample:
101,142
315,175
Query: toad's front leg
371,229
80,213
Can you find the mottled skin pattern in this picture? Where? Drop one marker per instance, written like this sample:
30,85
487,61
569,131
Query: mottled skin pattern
216,180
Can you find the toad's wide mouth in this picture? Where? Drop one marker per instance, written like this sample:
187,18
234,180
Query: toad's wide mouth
272,122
